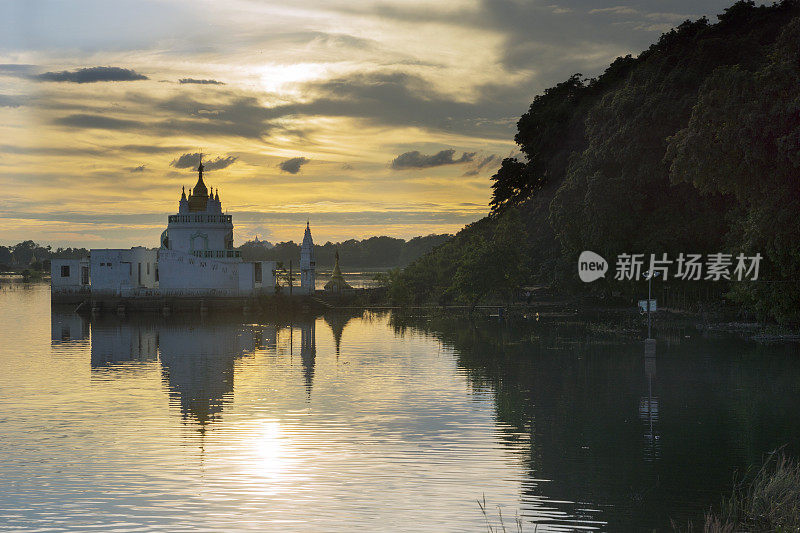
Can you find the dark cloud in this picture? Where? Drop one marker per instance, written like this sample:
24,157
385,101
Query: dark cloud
192,160
338,43
52,150
16,69
239,116
242,117
556,39
379,98
187,160
92,74
481,164
87,121
341,218
86,151
402,99
220,162
556,42
200,82
8,100
140,168
367,217
292,166
150,149
416,159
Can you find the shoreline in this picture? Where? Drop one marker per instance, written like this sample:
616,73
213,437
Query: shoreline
708,320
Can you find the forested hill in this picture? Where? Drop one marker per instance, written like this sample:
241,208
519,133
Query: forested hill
693,147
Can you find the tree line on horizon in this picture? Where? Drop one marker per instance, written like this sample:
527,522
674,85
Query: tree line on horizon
691,147
30,255
374,252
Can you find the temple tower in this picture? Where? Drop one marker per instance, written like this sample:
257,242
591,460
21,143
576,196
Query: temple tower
200,228
307,263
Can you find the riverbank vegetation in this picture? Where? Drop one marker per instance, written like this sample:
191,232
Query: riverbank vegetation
767,501
691,147
770,501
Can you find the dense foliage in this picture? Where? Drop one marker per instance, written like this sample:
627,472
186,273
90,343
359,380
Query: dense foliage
693,146
484,260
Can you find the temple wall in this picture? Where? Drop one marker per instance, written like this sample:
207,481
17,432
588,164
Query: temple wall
187,237
183,274
66,275
116,270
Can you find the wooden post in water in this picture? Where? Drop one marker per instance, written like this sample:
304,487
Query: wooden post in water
650,275
649,348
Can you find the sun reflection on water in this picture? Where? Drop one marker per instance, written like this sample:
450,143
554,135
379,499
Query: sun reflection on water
353,421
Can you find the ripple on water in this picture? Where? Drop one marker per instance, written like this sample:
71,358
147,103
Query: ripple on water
348,423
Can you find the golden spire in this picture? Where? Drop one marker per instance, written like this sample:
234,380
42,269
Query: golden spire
199,197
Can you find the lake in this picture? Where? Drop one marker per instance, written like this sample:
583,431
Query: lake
365,421
358,279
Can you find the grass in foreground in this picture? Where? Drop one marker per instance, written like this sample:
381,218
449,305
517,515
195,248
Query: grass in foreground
766,501
770,501
501,526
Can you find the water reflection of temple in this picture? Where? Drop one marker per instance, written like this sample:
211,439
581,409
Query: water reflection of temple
68,327
197,357
197,362
114,343
337,321
308,354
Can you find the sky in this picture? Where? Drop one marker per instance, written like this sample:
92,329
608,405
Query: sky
364,117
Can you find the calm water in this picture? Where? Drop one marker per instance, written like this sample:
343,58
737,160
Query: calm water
356,279
371,422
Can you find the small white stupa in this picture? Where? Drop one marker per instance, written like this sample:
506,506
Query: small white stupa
307,264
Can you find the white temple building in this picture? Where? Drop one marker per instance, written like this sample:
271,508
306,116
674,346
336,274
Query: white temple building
196,258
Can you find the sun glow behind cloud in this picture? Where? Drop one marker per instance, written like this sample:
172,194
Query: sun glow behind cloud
283,79
346,88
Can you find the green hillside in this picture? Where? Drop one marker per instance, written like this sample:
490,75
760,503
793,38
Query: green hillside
693,147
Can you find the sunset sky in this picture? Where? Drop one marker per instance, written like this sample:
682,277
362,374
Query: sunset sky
368,118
